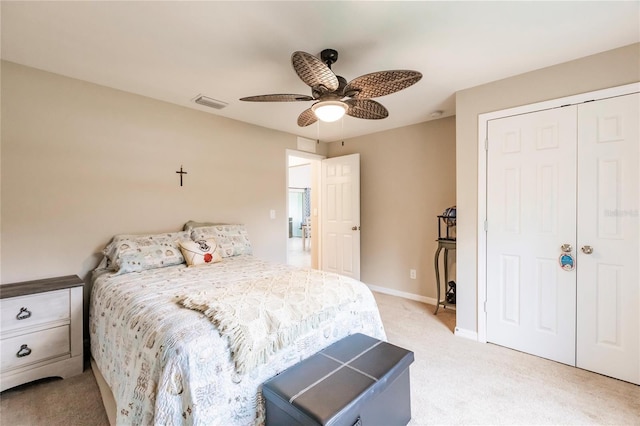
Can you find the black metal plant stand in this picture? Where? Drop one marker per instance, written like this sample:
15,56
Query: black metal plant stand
446,242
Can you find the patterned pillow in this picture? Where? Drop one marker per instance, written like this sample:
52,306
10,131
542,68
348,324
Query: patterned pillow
193,224
233,240
201,252
134,253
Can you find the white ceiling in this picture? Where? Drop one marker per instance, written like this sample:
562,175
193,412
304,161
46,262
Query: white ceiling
173,51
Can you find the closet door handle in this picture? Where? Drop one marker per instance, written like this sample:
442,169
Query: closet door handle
587,249
566,260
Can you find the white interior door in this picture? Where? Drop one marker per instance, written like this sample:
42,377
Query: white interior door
531,213
340,206
608,330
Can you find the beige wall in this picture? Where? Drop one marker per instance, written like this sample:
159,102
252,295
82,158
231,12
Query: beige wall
82,162
608,69
407,179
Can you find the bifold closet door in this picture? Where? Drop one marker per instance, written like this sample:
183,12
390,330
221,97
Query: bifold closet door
531,213
608,267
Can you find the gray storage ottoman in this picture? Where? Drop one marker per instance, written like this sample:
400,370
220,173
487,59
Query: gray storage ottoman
357,379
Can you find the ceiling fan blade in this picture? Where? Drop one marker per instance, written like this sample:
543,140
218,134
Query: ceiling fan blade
277,98
306,118
313,71
381,83
367,109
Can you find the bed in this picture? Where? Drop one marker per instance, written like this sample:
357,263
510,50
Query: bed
179,342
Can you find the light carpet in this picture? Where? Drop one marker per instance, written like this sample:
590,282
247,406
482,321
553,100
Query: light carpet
459,381
453,381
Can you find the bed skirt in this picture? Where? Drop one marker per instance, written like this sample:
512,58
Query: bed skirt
108,400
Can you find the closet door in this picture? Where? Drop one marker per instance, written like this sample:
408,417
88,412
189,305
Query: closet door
608,299
531,213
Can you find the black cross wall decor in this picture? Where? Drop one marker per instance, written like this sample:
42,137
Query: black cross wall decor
181,173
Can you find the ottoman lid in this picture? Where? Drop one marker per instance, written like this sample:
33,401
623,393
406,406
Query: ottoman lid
330,382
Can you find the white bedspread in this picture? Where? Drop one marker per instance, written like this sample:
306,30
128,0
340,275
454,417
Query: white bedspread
169,365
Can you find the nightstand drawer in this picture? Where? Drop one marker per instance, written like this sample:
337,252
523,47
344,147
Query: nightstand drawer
40,330
34,347
34,309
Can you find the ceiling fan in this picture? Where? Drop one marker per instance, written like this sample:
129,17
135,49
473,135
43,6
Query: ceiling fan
334,96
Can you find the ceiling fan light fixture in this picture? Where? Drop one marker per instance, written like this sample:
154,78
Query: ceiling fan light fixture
329,111
328,89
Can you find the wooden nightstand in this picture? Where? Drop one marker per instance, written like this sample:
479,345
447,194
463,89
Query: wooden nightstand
40,330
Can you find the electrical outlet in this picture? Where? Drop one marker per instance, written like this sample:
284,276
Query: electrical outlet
272,214
412,274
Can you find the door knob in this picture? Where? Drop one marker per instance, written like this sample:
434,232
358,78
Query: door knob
587,249
567,262
355,228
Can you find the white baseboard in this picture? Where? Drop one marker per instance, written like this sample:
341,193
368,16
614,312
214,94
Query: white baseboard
403,294
467,334
460,332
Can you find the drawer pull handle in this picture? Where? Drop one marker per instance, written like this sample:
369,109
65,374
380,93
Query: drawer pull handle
24,351
23,314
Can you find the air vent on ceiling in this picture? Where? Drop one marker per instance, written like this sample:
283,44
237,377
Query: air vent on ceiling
210,102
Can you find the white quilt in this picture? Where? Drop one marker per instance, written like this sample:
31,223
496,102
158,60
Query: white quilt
169,365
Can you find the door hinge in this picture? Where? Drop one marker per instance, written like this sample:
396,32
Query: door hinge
486,226
485,306
486,144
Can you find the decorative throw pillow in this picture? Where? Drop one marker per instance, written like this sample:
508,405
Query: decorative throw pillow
232,240
200,252
193,224
134,253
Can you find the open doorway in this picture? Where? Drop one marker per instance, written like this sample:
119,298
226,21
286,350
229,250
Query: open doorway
303,170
